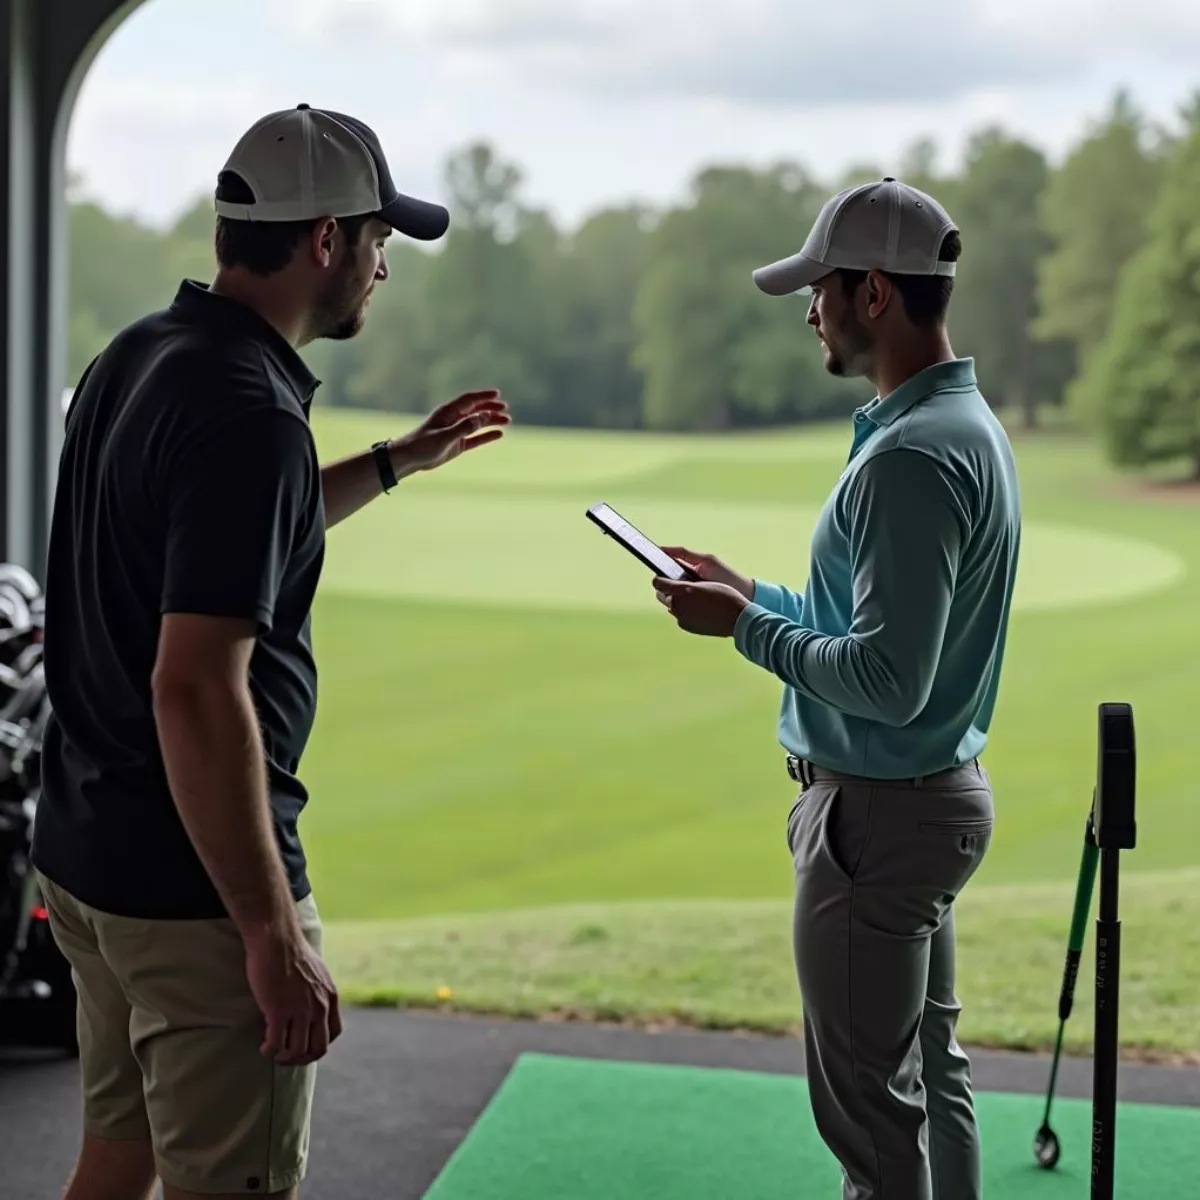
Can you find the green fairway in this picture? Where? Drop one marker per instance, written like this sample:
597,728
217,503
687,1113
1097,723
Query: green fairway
508,720
648,1132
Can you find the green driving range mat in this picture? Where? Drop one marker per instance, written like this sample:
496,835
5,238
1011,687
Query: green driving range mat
570,1129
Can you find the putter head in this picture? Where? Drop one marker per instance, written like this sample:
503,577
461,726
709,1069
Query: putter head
1046,1148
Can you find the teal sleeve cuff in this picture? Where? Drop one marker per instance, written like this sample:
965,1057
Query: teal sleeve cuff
742,626
774,642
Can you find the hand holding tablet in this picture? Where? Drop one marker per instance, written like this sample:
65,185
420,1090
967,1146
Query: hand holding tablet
706,598
670,562
637,543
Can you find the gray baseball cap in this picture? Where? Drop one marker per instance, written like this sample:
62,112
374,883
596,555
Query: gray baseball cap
305,163
881,226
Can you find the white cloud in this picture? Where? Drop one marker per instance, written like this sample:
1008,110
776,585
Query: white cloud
133,139
597,99
451,22
169,104
1104,29
776,52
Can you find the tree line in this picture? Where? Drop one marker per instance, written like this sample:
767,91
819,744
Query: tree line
1079,286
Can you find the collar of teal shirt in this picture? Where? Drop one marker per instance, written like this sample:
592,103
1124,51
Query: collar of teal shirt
953,374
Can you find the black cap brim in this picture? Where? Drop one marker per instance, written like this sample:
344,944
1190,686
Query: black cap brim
416,218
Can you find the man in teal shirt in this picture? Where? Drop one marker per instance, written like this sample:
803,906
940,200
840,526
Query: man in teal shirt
891,662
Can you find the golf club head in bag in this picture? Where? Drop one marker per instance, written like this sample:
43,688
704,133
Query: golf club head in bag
16,577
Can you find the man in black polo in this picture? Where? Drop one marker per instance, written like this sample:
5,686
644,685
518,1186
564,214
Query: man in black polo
186,546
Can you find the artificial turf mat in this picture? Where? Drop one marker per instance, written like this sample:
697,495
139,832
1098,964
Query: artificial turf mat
573,1129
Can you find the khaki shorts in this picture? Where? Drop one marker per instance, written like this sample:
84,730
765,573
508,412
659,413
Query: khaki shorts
169,1038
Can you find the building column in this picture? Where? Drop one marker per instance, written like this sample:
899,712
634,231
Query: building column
47,47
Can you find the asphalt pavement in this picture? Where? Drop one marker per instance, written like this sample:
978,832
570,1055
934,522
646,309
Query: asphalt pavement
401,1090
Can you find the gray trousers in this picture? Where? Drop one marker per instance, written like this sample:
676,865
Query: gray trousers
878,867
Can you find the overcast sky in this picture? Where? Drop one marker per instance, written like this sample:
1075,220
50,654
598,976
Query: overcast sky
600,101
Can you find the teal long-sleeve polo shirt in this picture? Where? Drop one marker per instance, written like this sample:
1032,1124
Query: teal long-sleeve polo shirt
891,657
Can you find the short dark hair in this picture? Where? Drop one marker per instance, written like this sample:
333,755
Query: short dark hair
926,297
265,247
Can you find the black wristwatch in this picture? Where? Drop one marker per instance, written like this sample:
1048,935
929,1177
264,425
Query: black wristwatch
383,460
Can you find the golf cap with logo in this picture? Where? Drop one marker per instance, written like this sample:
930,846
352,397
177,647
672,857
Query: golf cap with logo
881,226
305,163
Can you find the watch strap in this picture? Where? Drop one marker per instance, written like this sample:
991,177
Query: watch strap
383,461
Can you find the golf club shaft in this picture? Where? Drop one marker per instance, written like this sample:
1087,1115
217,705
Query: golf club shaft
1083,903
1108,974
1079,918
1054,1071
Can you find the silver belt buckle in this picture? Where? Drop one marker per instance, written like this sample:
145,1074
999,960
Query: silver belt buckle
799,770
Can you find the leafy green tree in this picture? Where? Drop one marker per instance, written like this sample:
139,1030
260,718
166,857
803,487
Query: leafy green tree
919,168
919,164
117,272
195,223
996,205
85,340
714,351
1095,212
1142,386
486,320
189,242
387,365
597,382
855,174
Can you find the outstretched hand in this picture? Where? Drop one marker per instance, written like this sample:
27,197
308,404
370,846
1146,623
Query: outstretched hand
473,419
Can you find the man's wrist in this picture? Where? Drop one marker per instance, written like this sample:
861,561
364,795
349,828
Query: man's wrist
401,457
741,626
280,925
272,938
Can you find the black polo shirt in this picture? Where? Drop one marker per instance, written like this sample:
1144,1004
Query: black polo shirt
189,482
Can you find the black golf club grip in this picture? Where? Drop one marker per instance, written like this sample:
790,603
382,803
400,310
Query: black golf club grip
1066,999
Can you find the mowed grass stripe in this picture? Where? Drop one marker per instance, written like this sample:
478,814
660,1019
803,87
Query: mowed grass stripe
469,759
536,551
729,965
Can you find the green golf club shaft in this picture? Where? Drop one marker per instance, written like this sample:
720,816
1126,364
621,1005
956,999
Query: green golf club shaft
1079,921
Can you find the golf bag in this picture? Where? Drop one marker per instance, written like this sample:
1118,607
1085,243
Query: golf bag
37,995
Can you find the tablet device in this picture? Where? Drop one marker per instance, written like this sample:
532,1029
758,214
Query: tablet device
637,543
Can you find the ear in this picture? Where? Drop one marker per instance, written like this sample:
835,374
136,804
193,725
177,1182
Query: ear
322,240
878,292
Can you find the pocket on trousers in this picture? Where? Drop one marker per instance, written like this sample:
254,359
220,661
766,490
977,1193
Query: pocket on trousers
965,827
310,922
793,818
958,845
843,835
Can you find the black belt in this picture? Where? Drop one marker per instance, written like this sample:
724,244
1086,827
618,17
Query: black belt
805,772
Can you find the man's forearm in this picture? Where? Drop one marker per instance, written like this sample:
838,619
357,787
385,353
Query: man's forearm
351,483
843,672
216,769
